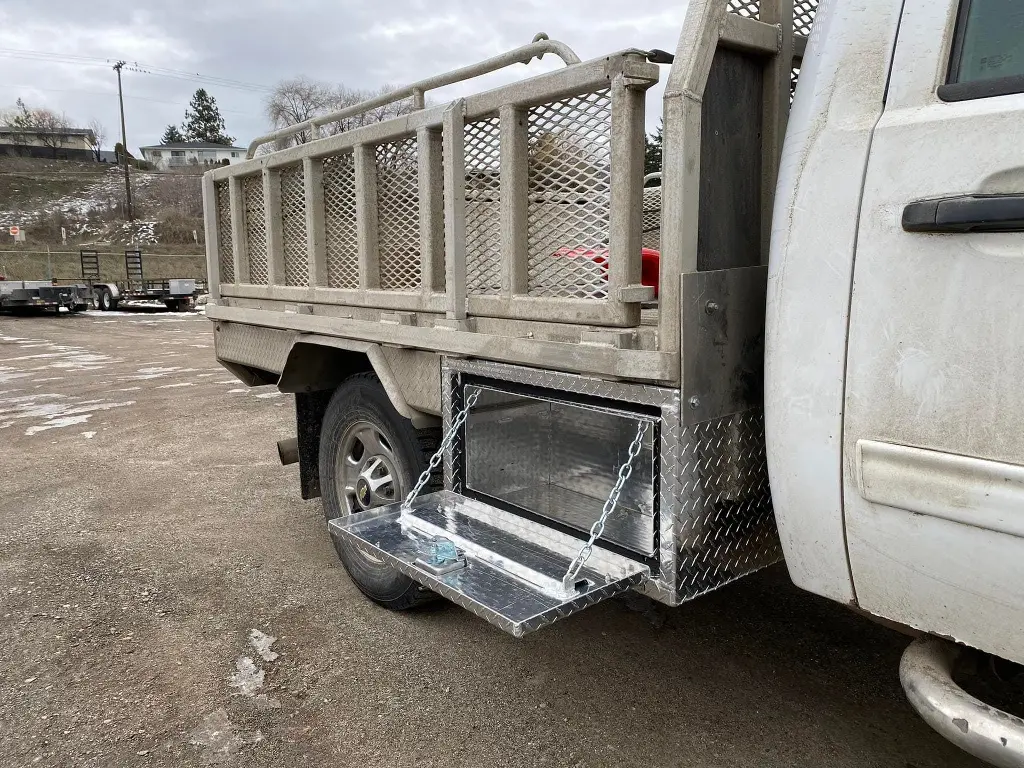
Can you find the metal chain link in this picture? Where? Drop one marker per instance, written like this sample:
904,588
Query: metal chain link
613,499
438,457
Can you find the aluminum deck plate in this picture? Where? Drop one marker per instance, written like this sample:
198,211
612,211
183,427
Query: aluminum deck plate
513,569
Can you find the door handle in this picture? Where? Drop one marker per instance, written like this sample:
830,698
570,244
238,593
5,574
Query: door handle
966,213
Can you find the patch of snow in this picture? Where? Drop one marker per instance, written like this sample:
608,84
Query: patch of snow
247,677
180,384
261,642
55,423
88,435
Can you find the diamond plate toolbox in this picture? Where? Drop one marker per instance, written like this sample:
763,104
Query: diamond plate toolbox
713,519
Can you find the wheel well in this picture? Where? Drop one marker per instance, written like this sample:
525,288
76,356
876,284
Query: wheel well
316,367
312,372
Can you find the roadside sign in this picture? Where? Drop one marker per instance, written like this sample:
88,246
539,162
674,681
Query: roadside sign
63,235
14,231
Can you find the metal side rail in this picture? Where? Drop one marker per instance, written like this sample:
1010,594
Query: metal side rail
988,733
504,568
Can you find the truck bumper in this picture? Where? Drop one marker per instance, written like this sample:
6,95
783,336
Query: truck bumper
988,733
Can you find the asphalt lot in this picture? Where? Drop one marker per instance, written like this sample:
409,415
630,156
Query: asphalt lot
146,529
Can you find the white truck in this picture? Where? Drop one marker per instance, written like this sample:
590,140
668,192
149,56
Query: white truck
498,405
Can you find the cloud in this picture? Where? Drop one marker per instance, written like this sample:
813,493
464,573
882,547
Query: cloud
361,44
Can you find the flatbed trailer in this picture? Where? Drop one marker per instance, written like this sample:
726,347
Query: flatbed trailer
174,293
42,295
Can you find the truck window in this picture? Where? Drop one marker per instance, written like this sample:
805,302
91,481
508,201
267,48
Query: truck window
987,58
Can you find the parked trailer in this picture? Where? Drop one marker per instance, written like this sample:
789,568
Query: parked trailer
495,407
42,295
175,293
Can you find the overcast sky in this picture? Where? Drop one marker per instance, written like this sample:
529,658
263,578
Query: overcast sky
361,44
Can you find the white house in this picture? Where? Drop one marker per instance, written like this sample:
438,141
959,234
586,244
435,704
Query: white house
184,153
60,144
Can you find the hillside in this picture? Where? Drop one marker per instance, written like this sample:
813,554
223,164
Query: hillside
87,200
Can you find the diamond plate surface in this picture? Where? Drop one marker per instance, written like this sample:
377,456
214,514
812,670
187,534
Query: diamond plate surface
716,522
514,570
263,348
398,214
652,218
749,8
255,229
803,16
339,178
569,192
725,527
293,225
483,206
225,242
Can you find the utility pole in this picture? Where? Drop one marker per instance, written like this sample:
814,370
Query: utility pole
124,147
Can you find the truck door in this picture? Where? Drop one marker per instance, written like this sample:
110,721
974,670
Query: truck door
934,422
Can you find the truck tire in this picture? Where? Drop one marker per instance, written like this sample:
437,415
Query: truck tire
364,438
105,300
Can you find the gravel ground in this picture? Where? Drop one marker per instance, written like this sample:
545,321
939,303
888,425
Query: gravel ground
146,530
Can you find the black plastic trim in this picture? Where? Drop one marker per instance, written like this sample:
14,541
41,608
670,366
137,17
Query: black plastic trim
981,89
966,213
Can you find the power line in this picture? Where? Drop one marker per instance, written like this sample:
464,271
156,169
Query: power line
149,69
111,93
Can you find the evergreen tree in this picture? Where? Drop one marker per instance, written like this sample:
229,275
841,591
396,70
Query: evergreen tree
203,121
172,135
652,151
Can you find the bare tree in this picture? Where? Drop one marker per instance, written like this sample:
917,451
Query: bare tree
297,100
49,128
97,138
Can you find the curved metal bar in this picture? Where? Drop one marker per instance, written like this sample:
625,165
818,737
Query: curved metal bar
651,176
983,731
522,55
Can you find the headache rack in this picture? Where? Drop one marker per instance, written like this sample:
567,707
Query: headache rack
509,224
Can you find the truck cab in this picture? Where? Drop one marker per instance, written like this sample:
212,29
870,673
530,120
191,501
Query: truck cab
497,408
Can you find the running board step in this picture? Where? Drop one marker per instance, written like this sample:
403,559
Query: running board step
504,568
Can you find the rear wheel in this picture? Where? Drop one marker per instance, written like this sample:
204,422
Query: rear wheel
371,456
105,300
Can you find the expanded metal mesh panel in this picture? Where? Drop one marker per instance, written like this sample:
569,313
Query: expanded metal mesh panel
255,229
749,8
398,214
652,218
340,222
483,206
794,76
225,243
293,226
803,12
803,16
569,190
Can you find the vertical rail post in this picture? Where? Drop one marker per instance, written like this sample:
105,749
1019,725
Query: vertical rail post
316,236
212,225
453,122
366,216
239,241
680,165
272,223
514,180
625,235
776,110
431,184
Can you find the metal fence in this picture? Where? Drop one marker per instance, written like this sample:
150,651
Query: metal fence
502,204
